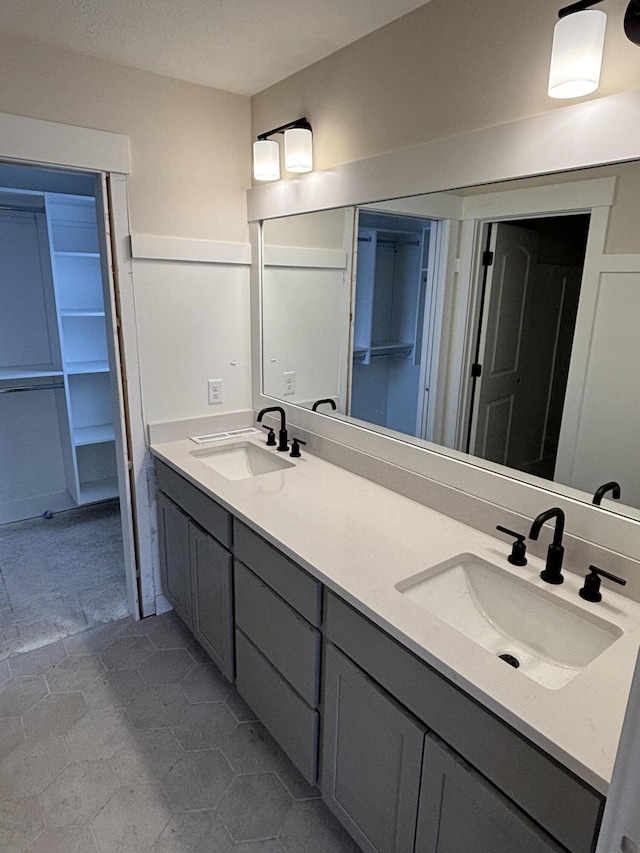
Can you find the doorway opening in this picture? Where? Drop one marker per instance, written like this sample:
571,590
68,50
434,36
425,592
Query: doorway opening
531,275
393,317
62,564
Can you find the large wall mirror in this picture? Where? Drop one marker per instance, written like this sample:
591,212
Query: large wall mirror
498,324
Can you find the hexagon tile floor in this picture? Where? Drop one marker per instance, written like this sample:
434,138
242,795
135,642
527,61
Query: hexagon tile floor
125,738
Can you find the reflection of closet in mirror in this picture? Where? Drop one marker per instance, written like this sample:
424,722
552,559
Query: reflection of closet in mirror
529,292
391,344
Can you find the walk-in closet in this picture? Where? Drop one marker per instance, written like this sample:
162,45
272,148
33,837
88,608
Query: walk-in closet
61,553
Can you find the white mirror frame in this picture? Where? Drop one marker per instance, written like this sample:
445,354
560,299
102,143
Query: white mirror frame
584,135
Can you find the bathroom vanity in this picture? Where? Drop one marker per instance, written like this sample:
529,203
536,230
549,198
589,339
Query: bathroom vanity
419,737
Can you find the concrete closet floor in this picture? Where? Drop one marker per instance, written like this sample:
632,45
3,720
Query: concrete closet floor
125,738
60,576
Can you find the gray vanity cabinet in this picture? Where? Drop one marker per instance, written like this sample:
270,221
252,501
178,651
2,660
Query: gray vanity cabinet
175,572
459,810
410,763
507,768
278,644
371,759
211,578
196,564
398,788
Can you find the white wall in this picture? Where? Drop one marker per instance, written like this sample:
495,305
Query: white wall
190,157
193,325
305,303
446,68
189,144
607,445
302,310
322,230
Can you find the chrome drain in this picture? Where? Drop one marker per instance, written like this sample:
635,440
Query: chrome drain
510,659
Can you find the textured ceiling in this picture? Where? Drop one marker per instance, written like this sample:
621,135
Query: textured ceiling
240,46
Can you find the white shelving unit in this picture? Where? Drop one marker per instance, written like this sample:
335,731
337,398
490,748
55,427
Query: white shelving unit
77,281
386,304
388,333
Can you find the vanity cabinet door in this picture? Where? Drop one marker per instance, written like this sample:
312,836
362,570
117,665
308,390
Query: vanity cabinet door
211,577
371,759
174,557
460,810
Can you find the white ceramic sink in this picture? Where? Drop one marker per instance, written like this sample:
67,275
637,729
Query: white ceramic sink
242,460
551,639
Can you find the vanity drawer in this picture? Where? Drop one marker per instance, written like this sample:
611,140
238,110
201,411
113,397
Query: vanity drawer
288,718
283,637
564,805
203,509
292,583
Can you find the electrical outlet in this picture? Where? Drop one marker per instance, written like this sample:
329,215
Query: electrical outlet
215,391
289,377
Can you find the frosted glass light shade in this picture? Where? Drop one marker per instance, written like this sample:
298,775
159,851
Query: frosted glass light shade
298,150
266,160
576,57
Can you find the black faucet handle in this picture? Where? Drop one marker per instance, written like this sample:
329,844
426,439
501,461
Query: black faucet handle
295,447
271,437
517,557
591,589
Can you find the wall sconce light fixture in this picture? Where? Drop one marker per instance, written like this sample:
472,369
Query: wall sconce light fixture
298,151
578,42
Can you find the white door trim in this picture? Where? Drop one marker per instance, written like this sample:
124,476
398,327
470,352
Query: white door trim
31,140
591,196
576,381
110,278
45,143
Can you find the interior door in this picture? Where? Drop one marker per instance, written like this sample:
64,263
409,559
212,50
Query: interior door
509,281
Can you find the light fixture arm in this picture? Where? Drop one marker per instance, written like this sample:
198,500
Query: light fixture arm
631,17
632,22
298,123
580,6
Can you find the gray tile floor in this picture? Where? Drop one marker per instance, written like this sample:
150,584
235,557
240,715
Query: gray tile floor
60,576
125,738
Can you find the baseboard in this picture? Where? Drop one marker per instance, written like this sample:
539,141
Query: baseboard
35,506
162,605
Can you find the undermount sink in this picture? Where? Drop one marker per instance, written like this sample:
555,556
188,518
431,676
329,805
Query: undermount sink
242,460
547,638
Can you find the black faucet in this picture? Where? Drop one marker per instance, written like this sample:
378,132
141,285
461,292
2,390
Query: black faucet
283,443
328,400
601,491
551,572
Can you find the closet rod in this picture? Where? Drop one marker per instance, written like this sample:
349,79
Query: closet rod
18,209
403,353
53,387
400,242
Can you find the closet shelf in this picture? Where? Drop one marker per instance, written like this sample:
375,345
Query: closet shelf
75,367
81,312
99,490
60,254
93,434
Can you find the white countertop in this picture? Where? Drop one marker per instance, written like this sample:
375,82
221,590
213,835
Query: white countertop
360,539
